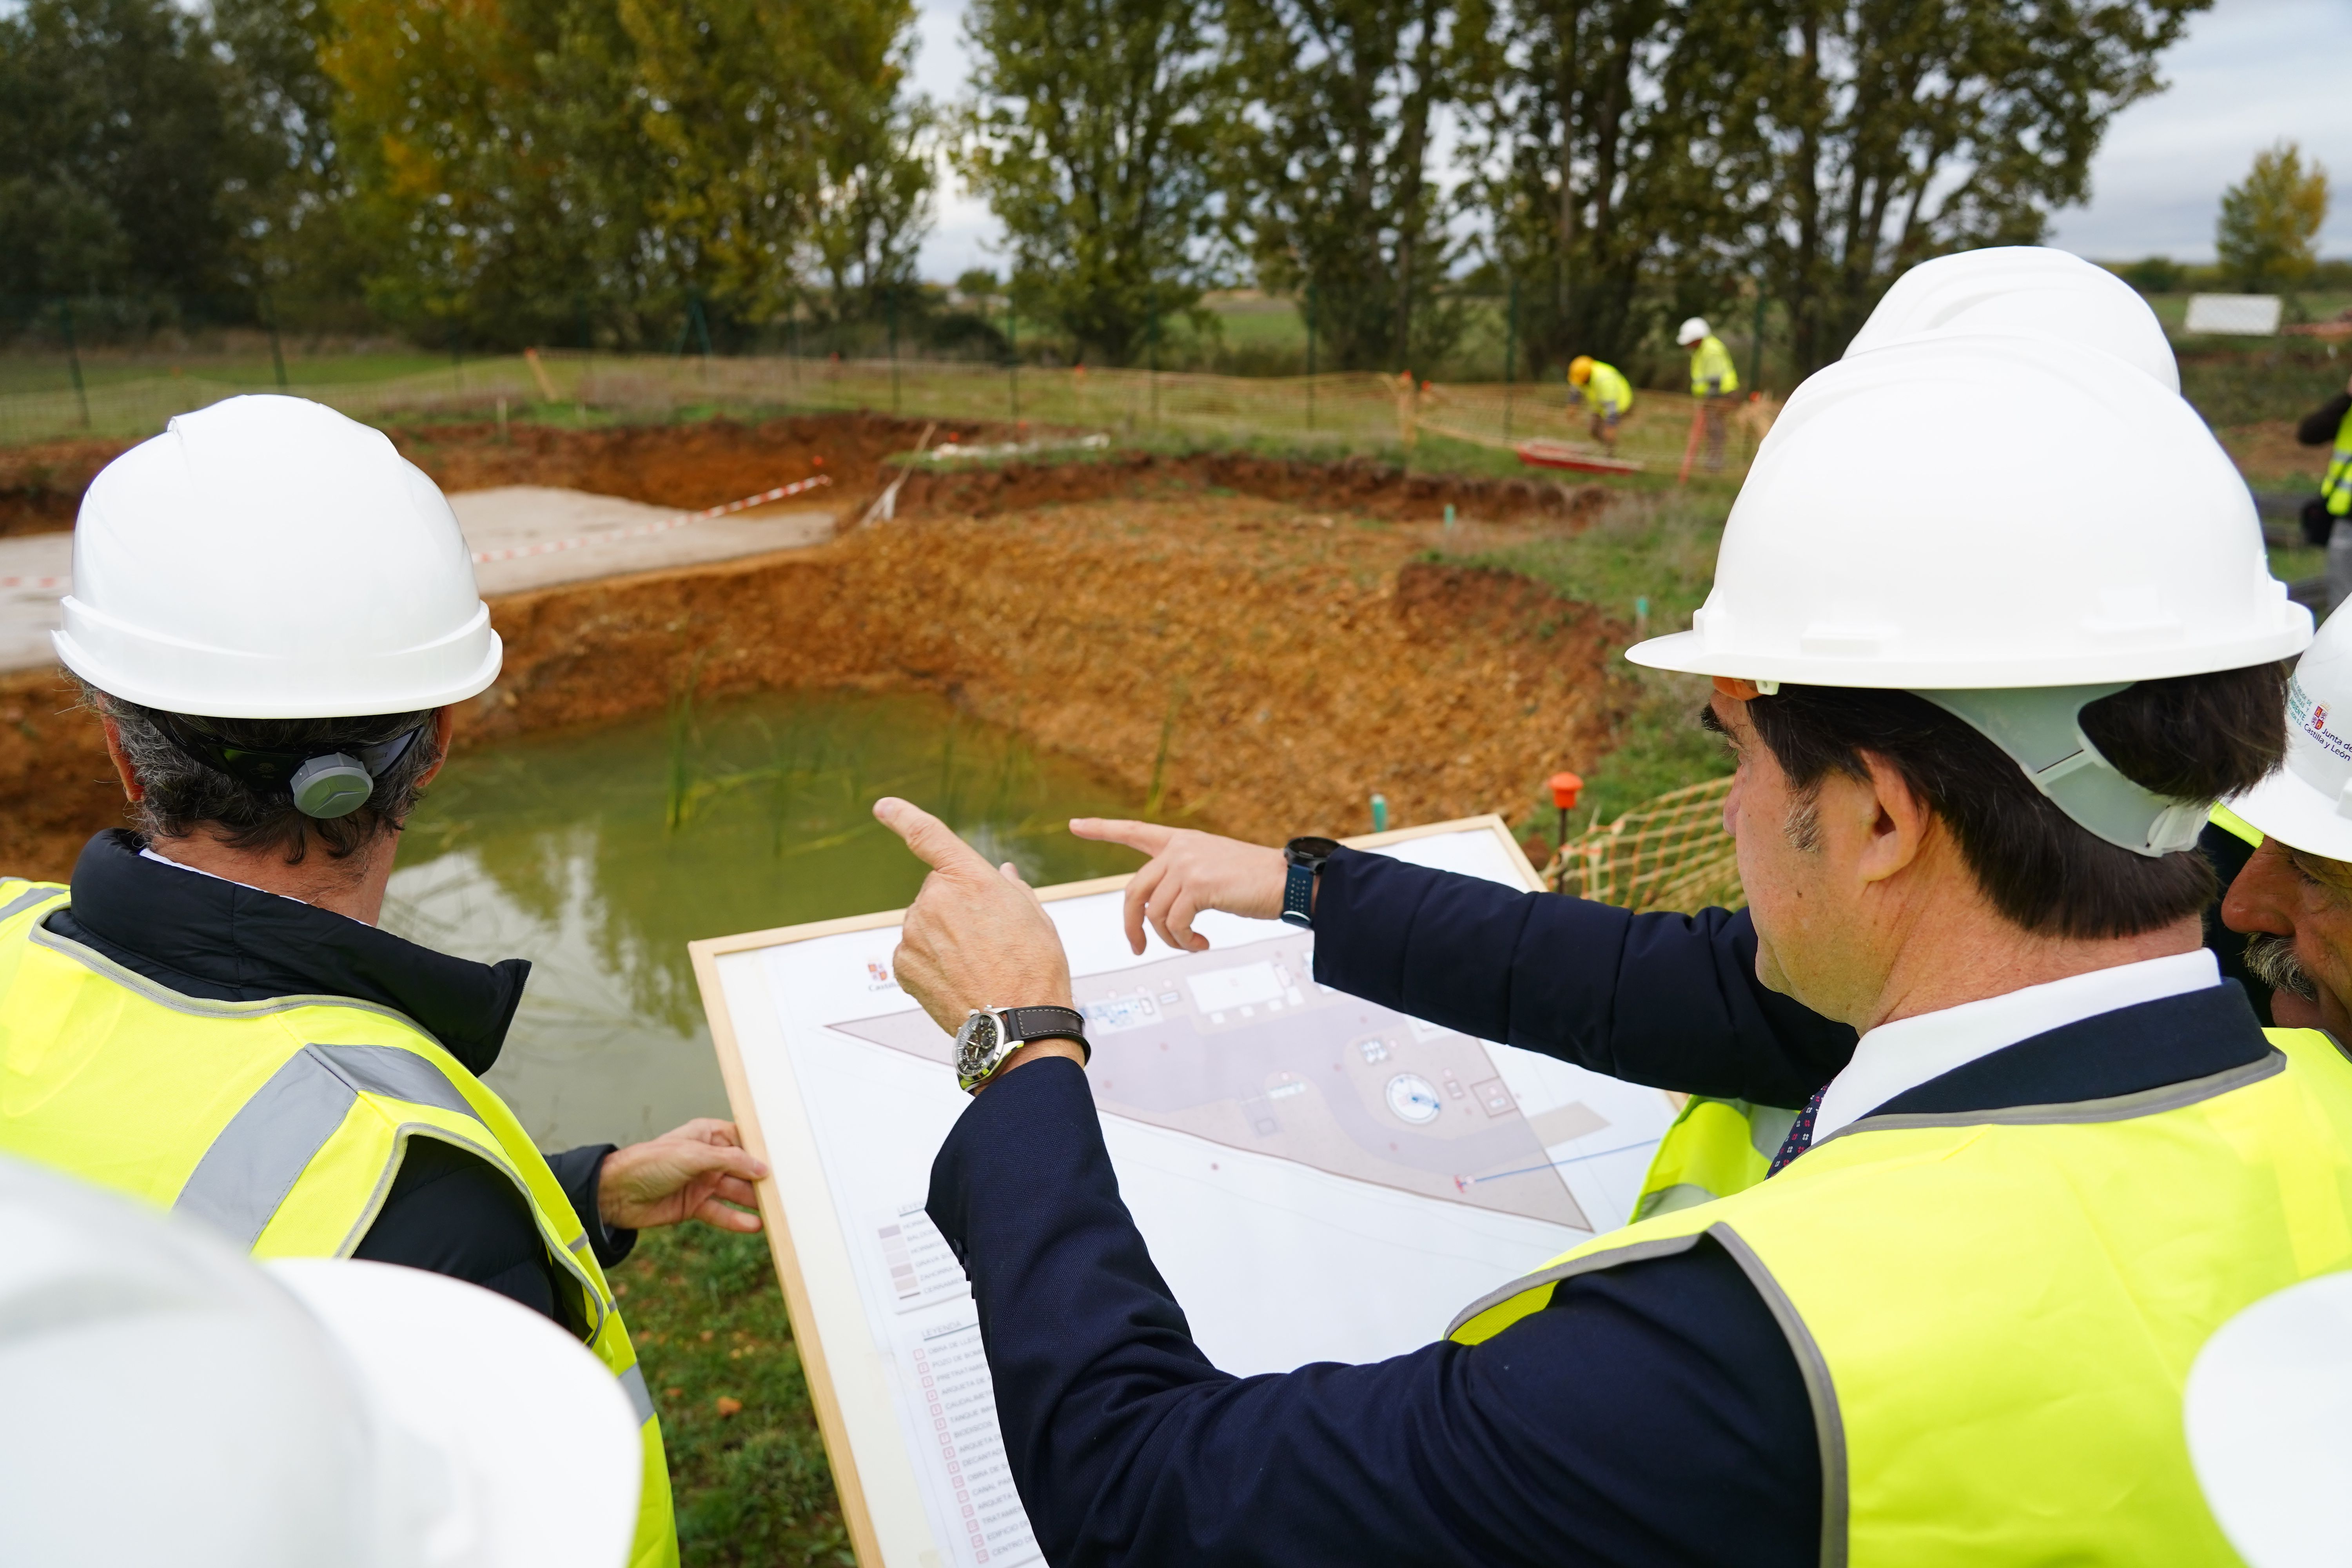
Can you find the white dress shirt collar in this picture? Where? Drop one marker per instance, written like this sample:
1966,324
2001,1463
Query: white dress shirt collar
1901,1056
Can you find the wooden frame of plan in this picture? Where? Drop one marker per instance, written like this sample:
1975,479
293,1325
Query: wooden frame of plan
879,1494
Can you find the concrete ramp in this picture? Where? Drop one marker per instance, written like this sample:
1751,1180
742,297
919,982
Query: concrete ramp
523,536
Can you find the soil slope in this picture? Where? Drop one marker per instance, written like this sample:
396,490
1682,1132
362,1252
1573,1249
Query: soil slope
1294,663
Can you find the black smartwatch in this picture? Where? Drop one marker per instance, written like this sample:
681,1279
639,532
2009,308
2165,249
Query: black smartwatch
1305,856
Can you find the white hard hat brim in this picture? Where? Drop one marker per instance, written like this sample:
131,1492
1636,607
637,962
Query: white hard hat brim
217,682
539,1444
1688,653
2285,808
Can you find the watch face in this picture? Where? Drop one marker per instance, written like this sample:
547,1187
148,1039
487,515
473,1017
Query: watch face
1302,851
974,1041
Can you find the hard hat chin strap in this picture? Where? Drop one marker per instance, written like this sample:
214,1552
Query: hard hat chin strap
2040,728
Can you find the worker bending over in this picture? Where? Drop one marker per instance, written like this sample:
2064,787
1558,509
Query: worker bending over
272,616
1953,1326
1714,381
1604,389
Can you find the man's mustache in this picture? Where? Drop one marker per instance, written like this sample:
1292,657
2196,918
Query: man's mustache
2271,961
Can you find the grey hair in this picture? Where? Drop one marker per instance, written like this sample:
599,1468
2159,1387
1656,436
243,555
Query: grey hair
184,793
2271,960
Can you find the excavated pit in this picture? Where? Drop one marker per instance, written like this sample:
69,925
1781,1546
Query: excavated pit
1259,661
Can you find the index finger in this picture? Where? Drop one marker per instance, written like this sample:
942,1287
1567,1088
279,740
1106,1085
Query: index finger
1149,838
934,841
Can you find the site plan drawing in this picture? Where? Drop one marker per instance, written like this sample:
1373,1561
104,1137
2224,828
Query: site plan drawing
1278,1143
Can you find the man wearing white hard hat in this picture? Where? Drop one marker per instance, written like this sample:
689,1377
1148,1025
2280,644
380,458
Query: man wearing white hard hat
1714,381
171,1401
273,615
1952,1324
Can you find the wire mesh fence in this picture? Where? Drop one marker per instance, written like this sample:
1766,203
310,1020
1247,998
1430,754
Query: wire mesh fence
1670,853
1351,407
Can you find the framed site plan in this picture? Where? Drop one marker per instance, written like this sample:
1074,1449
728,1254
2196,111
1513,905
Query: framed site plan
1319,1179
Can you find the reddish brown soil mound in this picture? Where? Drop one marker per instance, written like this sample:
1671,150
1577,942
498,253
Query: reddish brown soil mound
1294,666
40,487
1358,486
692,464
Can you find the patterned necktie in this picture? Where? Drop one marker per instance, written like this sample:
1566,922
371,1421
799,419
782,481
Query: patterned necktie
1800,1132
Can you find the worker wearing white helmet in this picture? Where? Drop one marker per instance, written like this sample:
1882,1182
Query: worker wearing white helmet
1714,380
272,615
171,1401
1977,741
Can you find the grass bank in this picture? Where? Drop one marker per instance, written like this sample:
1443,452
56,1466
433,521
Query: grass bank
746,1463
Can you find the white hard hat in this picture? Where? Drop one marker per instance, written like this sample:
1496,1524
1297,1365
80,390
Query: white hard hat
267,558
1975,511
1691,331
169,1401
2031,289
2268,1408
2308,803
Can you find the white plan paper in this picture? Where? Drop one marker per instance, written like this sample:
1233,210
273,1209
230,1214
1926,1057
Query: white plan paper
1319,1179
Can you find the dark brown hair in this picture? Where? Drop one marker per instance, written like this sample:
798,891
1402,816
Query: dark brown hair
2192,737
185,793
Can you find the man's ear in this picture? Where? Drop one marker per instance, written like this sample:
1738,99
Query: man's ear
132,790
1899,834
445,725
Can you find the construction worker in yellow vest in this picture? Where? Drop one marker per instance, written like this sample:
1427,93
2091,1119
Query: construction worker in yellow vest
1604,389
2323,516
1952,1324
274,616
1714,381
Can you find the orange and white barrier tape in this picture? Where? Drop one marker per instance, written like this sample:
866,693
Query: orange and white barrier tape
661,526
35,582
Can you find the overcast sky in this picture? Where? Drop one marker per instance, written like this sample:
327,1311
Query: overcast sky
2249,72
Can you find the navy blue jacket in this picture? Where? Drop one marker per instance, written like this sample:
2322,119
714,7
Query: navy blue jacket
1654,1413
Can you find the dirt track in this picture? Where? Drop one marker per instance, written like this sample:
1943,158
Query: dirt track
1297,657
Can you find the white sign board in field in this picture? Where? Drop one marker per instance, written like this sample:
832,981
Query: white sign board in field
1319,1179
2234,315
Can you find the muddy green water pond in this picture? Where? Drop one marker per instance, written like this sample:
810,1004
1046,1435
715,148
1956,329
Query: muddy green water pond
599,856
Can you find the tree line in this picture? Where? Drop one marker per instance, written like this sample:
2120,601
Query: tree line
513,170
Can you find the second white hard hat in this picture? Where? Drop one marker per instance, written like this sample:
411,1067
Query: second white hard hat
267,558
2268,1412
2307,803
1691,331
170,1401
1958,512
2031,289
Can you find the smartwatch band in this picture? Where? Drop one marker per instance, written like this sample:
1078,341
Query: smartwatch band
1306,858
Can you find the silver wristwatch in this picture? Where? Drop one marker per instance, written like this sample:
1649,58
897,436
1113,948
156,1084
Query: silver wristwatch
992,1034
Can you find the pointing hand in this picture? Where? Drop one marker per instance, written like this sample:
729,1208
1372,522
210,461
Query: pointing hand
1189,871
976,935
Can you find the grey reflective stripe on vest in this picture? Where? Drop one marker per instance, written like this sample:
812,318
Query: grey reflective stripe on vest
1829,1427
26,899
1638,1252
641,1399
255,1161
1768,1128
2117,1108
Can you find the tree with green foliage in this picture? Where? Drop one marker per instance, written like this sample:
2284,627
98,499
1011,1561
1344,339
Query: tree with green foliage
1583,167
119,152
286,207
2268,233
1091,135
1848,140
1330,169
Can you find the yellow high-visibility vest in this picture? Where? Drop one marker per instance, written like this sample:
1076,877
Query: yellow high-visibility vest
281,1123
1711,368
1715,1148
2337,488
1609,391
1995,1311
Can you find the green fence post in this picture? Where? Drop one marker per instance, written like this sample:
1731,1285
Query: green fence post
73,361
1510,356
277,357
1012,364
1756,345
1310,358
894,352
1154,375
